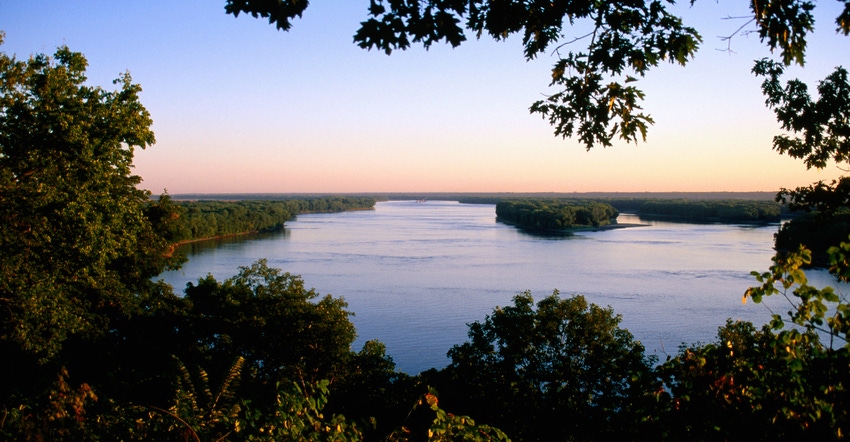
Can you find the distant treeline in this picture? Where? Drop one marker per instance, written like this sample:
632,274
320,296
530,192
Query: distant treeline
724,211
698,210
555,215
495,197
210,219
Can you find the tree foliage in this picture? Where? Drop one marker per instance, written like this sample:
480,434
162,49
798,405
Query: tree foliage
82,322
213,218
563,370
817,132
822,123
278,12
87,338
730,211
818,233
596,73
754,384
814,391
283,330
555,215
427,421
77,240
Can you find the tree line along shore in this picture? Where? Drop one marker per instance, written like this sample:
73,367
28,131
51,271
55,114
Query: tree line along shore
207,217
204,217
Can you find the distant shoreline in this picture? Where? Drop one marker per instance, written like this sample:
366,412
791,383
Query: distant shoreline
455,196
607,227
275,229
229,235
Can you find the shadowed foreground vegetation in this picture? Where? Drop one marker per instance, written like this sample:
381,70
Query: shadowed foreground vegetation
259,357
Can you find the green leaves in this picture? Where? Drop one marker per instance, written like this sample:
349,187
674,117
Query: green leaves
444,427
753,383
628,38
843,20
555,216
554,372
283,330
278,12
199,412
597,101
298,414
407,22
823,124
589,110
71,216
816,310
784,26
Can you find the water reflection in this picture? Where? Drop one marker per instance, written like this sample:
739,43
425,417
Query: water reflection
199,247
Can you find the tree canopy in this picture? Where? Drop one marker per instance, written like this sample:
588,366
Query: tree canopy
555,215
564,370
267,317
77,238
597,73
210,218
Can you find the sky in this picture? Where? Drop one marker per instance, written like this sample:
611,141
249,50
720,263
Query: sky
240,107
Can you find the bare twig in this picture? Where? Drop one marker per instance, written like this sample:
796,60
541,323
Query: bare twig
556,50
189,427
728,38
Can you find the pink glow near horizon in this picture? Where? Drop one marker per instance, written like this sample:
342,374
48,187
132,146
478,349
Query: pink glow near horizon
240,107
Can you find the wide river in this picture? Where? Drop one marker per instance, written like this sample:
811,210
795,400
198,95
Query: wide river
415,273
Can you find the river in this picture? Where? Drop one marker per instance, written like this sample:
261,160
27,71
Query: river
415,273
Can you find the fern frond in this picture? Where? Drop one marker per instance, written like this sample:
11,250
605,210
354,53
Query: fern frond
184,383
228,387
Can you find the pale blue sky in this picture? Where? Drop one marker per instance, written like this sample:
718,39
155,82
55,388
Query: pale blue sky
241,107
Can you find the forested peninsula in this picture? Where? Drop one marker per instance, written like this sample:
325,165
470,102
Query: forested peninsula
206,219
569,214
702,211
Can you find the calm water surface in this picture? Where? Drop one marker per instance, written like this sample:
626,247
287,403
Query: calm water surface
415,274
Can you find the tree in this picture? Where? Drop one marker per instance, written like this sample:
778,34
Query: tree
817,131
372,390
77,241
779,382
822,122
267,316
562,371
598,100
743,387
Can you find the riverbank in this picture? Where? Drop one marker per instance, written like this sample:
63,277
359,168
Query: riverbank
605,227
229,235
574,229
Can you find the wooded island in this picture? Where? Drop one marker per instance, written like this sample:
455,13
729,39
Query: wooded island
555,215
